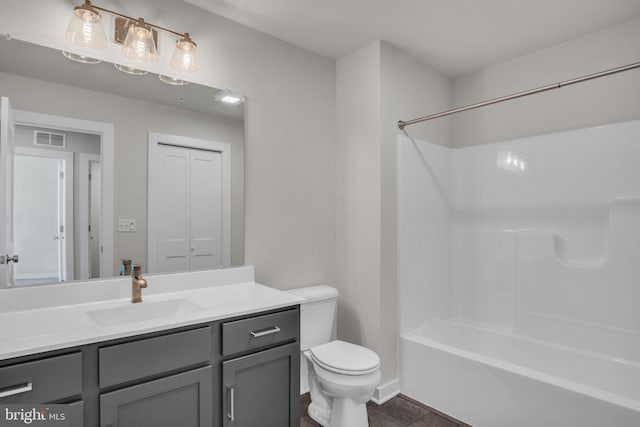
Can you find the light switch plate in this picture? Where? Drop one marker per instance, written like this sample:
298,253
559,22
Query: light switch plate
126,225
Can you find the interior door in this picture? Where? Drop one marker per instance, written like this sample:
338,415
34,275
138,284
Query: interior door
189,209
205,210
7,132
173,209
38,218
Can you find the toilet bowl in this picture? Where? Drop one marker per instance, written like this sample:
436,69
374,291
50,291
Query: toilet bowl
339,392
342,376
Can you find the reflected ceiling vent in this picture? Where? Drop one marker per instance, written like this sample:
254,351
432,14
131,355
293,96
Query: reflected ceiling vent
49,139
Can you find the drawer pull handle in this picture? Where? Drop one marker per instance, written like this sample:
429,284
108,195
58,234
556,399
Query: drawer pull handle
27,387
263,332
231,414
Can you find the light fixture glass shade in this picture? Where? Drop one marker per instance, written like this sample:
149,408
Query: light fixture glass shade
85,28
139,45
130,70
80,58
172,81
185,56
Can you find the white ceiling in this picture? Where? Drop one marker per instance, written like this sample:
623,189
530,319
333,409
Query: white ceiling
454,36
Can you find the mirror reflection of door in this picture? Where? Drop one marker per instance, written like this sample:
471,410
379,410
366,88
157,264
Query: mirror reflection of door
43,215
53,199
94,217
189,209
7,134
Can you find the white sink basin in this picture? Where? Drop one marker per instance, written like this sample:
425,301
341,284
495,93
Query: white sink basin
143,311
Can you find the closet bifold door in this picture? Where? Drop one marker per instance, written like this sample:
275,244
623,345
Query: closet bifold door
262,389
189,209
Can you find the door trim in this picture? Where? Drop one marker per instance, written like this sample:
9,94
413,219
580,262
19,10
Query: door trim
156,139
84,254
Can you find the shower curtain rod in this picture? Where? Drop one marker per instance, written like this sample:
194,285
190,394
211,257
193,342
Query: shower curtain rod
402,124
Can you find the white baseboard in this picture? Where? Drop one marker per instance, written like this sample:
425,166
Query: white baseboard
382,393
386,391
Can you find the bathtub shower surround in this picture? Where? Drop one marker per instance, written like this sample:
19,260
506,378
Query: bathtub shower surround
518,267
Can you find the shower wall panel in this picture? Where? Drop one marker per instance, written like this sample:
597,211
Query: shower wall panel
543,234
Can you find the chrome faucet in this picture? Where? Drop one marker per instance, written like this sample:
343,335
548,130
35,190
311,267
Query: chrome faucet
137,283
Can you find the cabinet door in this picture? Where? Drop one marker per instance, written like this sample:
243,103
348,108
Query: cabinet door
262,389
183,400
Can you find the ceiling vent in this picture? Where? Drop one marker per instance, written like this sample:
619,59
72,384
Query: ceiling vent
49,139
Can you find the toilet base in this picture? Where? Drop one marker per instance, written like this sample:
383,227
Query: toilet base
319,414
348,413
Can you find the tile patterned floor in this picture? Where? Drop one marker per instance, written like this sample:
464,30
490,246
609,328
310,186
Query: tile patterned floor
400,411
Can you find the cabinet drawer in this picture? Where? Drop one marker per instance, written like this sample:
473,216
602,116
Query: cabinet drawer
42,381
260,331
152,356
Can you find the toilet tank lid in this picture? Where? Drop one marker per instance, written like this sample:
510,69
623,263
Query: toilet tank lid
315,293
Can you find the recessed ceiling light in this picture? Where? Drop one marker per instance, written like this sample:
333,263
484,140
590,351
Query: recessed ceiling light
229,97
80,58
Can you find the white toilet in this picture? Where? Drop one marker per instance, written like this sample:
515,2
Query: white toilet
342,376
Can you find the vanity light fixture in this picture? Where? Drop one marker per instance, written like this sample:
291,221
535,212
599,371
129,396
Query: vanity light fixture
228,97
140,40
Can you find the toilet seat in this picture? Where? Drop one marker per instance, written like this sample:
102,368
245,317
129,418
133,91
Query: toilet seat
345,358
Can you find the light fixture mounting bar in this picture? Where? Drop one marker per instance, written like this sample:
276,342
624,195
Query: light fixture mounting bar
134,20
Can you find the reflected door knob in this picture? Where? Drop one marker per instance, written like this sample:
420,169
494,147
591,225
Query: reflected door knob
6,259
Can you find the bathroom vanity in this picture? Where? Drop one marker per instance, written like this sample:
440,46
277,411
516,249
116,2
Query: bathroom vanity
168,365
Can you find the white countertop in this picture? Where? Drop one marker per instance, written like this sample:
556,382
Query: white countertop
102,310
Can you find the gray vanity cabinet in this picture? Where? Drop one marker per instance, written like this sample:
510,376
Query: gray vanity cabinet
236,372
55,380
258,391
261,371
178,400
156,398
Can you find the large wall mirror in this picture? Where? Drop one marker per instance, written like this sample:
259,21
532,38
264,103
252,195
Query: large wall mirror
110,165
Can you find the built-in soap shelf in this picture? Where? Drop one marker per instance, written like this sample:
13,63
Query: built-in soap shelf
522,270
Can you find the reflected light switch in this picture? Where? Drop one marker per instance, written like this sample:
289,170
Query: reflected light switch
126,225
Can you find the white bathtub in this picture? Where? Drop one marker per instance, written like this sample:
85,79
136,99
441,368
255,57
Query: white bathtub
489,378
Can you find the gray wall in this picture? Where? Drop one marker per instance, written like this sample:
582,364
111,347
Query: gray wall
605,100
376,86
75,142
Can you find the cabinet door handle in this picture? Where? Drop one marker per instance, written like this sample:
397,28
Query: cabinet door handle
18,390
231,414
263,332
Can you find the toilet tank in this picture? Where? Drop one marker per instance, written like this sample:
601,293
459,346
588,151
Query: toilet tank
317,312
